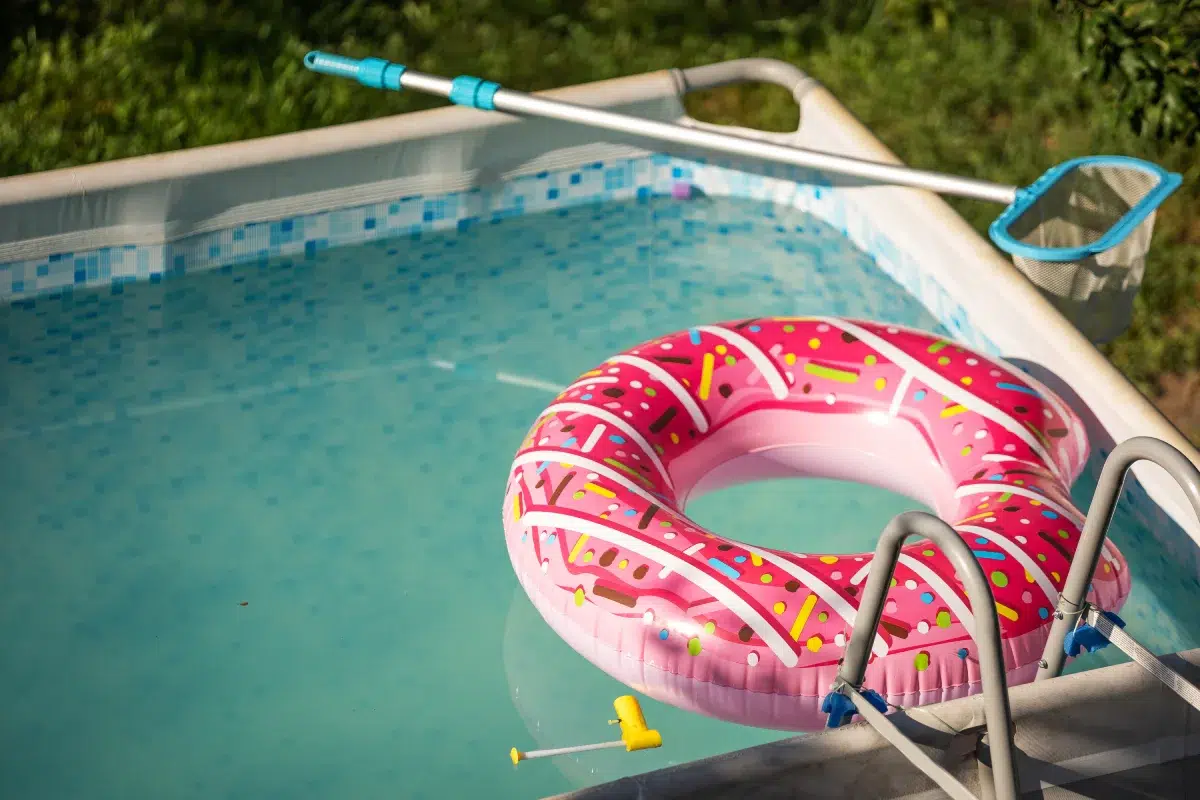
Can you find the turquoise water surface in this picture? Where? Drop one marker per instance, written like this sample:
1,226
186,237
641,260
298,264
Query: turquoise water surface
251,517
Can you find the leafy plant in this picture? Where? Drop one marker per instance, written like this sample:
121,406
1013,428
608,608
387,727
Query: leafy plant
1149,52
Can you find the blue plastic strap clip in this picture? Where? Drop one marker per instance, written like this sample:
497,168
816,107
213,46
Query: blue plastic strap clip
467,90
1087,637
840,708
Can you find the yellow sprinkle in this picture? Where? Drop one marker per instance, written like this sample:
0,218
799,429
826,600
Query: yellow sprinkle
1028,577
583,537
600,490
950,411
706,376
810,603
839,375
880,384
1035,502
612,462
674,438
579,596
1056,576
1107,567
870,360
766,577
966,451
814,343
756,559
829,559
623,563
814,643
591,373
790,358
780,607
516,507
976,516
967,380
721,349
1006,612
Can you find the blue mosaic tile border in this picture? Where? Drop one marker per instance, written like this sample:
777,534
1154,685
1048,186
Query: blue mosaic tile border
596,182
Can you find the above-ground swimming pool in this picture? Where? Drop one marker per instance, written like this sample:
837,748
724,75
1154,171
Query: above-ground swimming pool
252,544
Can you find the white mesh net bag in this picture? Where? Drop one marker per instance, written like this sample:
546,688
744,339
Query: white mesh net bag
1081,233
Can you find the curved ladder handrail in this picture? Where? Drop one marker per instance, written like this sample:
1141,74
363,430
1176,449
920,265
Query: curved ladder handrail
987,638
1072,602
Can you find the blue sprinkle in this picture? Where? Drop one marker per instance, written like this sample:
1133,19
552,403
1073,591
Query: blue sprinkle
524,536
962,652
755,328
551,538
694,335
740,559
1043,613
721,566
629,512
663,634
1012,387
988,554
542,467
615,439
1048,514
997,477
587,396
981,540
571,442
926,597
919,395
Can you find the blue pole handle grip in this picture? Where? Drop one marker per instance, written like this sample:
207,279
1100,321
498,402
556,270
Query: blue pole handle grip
376,73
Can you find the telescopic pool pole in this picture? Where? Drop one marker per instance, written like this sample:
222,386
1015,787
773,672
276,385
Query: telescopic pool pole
467,90
1141,185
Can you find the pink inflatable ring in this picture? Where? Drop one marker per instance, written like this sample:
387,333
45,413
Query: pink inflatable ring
596,530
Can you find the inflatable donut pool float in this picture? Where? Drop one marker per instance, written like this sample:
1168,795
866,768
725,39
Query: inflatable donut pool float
596,530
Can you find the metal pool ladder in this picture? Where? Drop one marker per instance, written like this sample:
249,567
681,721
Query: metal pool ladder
1067,635
1100,628
848,697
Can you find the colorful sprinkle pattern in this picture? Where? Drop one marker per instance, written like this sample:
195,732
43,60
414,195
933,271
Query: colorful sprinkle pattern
595,528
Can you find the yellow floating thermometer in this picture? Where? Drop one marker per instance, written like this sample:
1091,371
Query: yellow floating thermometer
635,734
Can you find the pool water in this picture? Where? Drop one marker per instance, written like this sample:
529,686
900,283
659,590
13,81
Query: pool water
252,543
